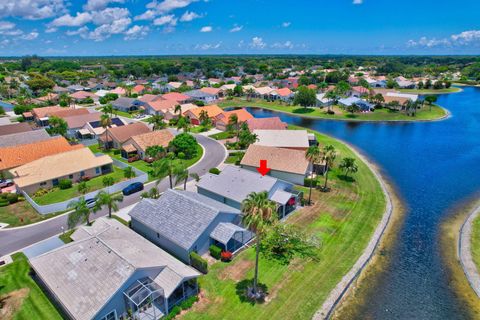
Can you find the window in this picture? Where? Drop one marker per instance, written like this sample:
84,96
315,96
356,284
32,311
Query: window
43,183
158,235
97,170
112,315
82,173
55,182
70,176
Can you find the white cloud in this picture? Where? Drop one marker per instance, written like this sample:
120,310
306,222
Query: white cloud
236,28
283,45
189,16
357,1
168,20
206,29
8,29
31,9
257,43
6,25
286,24
463,39
51,30
136,32
104,31
82,31
169,5
147,15
93,5
208,46
30,36
67,20
109,15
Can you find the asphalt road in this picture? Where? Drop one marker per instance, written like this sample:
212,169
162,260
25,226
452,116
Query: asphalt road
16,239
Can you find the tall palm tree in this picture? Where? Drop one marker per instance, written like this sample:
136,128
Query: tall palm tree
111,201
313,155
183,124
80,213
348,165
107,109
164,167
106,122
233,123
178,109
328,157
250,94
259,213
157,121
181,174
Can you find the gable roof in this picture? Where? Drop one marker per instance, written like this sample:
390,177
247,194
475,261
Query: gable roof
14,128
14,156
180,216
20,138
211,90
123,133
153,138
124,102
198,94
175,96
103,257
273,123
162,105
45,111
284,92
242,115
78,121
149,97
278,159
67,112
236,183
282,138
212,110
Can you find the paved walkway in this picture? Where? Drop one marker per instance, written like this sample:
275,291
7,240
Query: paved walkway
337,294
465,252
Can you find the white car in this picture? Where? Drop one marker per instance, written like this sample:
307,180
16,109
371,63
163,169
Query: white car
5,183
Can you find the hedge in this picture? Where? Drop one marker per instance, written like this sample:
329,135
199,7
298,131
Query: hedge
215,251
65,184
307,182
198,262
185,305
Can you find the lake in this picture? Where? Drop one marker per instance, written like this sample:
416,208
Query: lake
434,165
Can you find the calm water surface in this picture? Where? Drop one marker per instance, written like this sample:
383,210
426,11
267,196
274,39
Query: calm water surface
435,166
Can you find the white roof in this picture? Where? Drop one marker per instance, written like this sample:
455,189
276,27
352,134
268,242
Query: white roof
413,97
282,138
101,93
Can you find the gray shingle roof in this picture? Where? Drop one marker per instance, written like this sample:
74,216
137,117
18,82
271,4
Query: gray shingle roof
236,184
179,216
24,138
86,273
224,231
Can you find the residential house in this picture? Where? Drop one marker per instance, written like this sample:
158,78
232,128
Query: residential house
178,97
59,90
77,123
101,93
359,91
233,185
115,137
222,119
149,98
413,97
49,98
41,115
171,113
46,172
76,87
111,272
137,145
194,114
27,137
283,94
289,139
14,128
216,92
404,83
322,101
273,123
182,222
285,164
264,92
126,104
138,89
362,104
94,129
119,90
159,106
199,95
81,96
17,155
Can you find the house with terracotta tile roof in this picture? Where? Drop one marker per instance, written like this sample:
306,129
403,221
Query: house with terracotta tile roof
77,122
14,156
213,91
138,89
178,97
222,119
80,96
159,106
149,97
138,145
41,115
118,90
46,172
359,91
117,136
194,114
171,113
285,164
273,123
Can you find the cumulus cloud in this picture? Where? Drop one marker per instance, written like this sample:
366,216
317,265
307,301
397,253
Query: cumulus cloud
169,20
283,45
109,15
286,24
236,28
206,29
357,1
166,6
8,29
31,9
136,32
463,39
147,15
30,36
189,16
67,20
93,5
257,43
208,46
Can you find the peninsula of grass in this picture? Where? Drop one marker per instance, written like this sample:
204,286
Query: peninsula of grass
424,114
20,296
431,91
344,220
476,241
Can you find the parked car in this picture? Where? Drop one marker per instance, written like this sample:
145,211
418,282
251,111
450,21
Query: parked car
132,188
91,203
5,183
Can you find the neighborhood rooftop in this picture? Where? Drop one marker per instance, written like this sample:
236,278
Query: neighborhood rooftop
24,138
283,138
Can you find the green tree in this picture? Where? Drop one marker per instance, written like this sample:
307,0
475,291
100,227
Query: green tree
181,174
313,155
106,123
185,143
305,97
259,214
82,187
157,122
430,100
108,181
328,158
39,82
164,167
238,91
57,126
184,124
111,201
348,165
245,137
155,152
80,213
128,172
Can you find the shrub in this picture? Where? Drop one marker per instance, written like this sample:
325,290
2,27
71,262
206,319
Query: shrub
184,143
173,313
198,262
188,303
307,182
181,155
65,184
116,152
215,251
214,171
3,203
12,198
226,256
40,192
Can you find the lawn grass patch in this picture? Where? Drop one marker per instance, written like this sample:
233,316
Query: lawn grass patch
65,237
24,297
476,241
343,219
22,213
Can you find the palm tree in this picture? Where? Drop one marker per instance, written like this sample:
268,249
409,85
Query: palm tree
328,157
181,174
348,165
108,181
178,109
203,117
233,123
128,172
106,122
259,213
82,187
157,121
80,213
107,109
312,154
164,167
184,124
111,201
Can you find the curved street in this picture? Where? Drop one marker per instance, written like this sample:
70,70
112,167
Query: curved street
15,239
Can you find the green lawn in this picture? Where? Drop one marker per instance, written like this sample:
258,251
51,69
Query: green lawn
22,213
222,135
65,237
25,298
142,165
344,219
58,195
378,115
476,241
431,91
234,157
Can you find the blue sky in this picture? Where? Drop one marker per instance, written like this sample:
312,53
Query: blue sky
135,27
